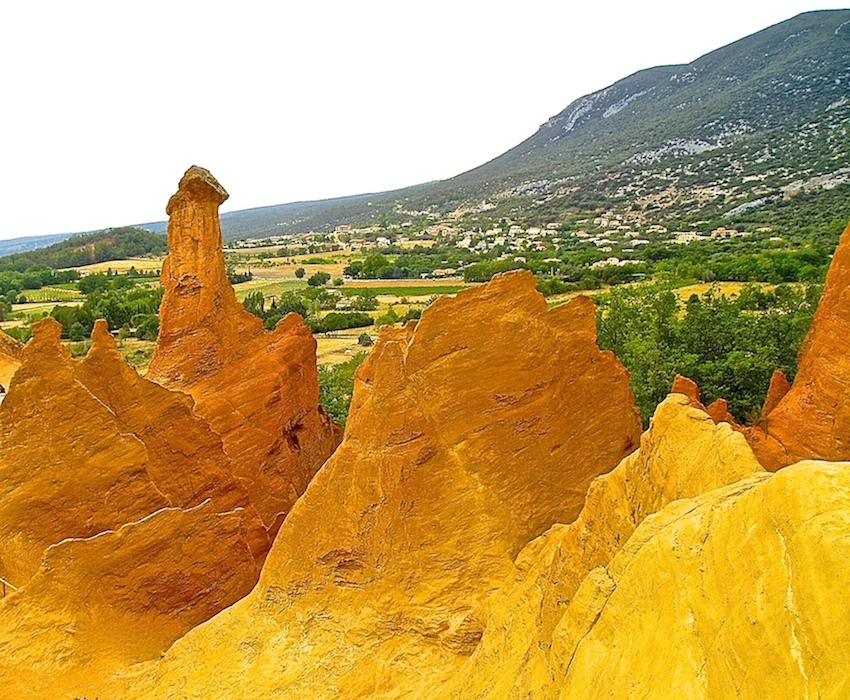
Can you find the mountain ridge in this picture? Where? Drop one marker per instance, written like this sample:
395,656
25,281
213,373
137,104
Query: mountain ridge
771,107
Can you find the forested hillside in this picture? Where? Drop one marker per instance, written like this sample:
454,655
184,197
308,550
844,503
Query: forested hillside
112,244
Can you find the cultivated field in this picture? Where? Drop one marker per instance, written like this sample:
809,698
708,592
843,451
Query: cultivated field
146,264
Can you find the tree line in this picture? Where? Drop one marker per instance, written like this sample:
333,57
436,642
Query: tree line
729,346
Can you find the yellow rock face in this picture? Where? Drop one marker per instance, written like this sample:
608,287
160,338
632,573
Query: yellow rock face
471,433
682,455
97,606
120,523
66,467
739,593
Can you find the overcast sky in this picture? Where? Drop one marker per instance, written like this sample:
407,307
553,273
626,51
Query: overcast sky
105,104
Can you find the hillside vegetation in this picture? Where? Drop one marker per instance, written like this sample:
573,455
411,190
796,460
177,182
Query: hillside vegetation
746,126
86,249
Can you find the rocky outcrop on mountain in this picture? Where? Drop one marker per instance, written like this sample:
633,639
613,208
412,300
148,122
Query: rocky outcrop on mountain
471,432
258,390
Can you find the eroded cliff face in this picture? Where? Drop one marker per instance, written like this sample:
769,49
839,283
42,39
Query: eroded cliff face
10,358
735,594
494,525
120,522
458,564
99,606
682,455
258,390
471,433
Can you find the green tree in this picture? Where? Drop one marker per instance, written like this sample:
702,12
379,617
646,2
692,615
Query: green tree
77,332
388,318
300,272
336,385
318,279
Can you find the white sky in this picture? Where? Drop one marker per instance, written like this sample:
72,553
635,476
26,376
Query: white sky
105,104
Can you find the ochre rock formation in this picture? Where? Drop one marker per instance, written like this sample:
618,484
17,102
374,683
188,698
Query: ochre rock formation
120,522
258,390
779,387
10,358
687,387
97,606
812,419
736,594
67,469
470,433
102,447
186,460
682,455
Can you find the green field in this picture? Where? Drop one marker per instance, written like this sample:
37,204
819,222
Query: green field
352,289
268,288
51,294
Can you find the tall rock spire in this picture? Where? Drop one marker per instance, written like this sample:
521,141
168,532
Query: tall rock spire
259,390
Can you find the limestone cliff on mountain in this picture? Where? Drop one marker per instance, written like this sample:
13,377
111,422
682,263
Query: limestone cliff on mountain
471,433
258,390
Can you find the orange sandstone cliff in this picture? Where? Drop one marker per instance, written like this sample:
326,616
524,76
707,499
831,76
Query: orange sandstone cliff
444,552
470,538
258,390
10,358
470,433
121,525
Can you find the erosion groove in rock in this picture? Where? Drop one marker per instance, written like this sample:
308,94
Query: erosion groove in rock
384,569
97,606
259,390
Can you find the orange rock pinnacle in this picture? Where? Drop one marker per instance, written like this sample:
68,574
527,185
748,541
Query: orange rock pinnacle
258,390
